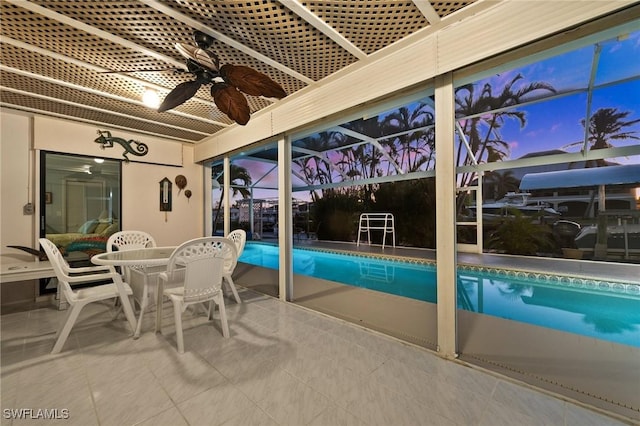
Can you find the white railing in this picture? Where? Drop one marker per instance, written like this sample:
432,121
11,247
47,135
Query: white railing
379,222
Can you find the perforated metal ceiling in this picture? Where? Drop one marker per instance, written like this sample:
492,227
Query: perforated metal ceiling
53,52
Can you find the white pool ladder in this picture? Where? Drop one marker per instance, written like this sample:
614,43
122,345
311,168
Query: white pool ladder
377,221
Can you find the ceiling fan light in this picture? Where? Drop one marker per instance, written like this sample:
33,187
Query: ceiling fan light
151,99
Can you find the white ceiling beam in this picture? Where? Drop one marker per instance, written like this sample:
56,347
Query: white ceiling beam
299,9
101,110
93,122
87,90
424,6
163,8
94,31
98,69
105,35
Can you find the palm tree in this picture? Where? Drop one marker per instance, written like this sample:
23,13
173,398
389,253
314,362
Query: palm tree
607,124
482,129
317,170
239,176
482,115
501,183
415,148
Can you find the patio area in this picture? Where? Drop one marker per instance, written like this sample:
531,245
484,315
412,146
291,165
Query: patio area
283,365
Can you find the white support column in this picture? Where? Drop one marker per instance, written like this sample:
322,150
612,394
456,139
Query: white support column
226,184
251,213
285,220
446,216
208,200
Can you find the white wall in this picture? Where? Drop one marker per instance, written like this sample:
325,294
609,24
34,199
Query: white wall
16,187
141,201
52,134
140,181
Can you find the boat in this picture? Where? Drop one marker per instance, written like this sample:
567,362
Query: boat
621,239
541,210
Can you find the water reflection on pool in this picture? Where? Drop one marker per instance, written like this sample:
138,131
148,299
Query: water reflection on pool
607,311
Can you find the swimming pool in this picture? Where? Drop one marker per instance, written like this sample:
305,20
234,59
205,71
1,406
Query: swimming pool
603,310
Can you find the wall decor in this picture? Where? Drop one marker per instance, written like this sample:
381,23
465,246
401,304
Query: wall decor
48,197
106,141
181,182
187,194
165,196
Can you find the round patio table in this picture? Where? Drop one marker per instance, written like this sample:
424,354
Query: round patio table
148,261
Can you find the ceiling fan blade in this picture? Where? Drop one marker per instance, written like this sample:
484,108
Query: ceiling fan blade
204,58
252,82
179,95
231,102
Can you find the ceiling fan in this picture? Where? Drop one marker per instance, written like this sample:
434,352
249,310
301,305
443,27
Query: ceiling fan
227,81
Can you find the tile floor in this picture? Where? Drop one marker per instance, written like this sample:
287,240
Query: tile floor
283,365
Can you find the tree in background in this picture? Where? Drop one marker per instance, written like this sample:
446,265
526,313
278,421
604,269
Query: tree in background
413,204
239,176
482,115
414,145
606,125
501,182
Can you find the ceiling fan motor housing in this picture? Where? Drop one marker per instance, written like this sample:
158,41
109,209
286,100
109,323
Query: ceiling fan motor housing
203,41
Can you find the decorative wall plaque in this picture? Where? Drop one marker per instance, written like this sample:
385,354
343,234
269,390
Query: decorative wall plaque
130,146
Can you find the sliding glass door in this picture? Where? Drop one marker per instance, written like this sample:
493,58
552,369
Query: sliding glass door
80,203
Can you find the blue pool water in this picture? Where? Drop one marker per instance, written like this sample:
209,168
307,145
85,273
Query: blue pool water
607,311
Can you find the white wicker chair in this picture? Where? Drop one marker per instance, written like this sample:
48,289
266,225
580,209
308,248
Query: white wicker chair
142,279
129,240
197,265
239,238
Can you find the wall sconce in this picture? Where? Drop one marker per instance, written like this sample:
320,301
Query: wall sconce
151,99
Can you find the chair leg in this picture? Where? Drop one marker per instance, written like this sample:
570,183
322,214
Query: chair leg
223,315
143,307
212,307
177,315
63,333
232,285
118,308
159,302
63,304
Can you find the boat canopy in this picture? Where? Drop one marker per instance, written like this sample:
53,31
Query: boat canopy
626,174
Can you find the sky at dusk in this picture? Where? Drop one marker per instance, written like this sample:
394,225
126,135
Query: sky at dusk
551,123
554,124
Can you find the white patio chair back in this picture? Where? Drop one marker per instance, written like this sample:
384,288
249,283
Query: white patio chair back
128,240
67,275
60,267
239,238
198,264
144,284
